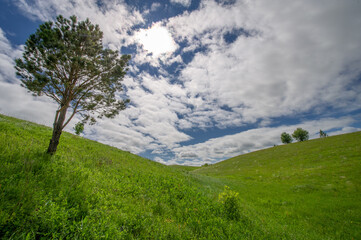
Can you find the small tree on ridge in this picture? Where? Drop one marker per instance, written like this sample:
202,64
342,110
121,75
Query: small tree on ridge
65,60
286,138
300,135
323,134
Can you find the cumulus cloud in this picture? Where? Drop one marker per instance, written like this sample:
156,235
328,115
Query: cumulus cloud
156,104
294,58
115,18
115,133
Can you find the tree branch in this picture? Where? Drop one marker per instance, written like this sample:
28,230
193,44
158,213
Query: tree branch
53,96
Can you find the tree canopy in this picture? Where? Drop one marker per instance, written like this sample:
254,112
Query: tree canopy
300,135
286,138
65,60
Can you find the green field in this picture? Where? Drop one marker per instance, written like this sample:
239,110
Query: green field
311,190
308,190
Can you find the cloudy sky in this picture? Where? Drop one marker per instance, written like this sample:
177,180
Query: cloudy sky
209,79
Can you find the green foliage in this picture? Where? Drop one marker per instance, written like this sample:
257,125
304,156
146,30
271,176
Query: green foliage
286,138
300,135
79,128
65,61
229,200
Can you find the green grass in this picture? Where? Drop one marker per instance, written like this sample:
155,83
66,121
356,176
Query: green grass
88,190
184,168
93,191
311,189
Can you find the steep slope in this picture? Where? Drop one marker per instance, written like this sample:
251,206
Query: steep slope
93,191
312,187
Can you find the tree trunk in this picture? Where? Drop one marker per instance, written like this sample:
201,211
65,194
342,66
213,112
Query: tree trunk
57,130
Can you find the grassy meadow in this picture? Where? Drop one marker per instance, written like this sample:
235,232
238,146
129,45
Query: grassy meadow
308,190
311,189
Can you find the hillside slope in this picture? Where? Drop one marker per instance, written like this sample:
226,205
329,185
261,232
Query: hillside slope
89,190
312,186
92,191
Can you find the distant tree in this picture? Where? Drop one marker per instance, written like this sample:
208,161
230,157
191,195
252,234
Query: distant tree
79,128
65,60
300,135
286,138
323,134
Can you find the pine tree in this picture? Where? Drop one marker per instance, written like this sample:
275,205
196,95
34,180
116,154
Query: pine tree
65,60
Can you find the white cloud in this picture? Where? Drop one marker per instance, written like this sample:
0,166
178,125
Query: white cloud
156,103
115,133
160,160
115,18
298,57
16,102
210,17
155,6
150,122
185,3
7,56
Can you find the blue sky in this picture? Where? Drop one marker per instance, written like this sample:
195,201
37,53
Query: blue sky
209,79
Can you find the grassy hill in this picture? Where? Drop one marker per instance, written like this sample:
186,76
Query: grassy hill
88,190
184,168
312,188
93,191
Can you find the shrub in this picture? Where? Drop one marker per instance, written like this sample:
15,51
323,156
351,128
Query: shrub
229,201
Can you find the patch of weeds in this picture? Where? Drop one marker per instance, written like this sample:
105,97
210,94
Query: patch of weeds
230,204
